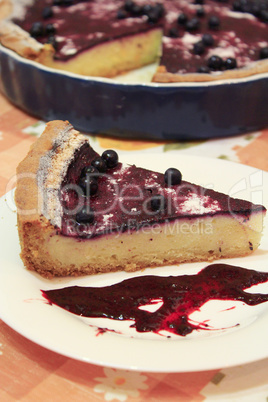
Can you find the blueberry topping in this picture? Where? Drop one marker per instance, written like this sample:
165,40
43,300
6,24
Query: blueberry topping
215,62
154,13
158,203
136,10
90,170
65,3
200,12
203,70
182,19
258,8
264,53
50,29
237,6
173,32
213,22
100,164
47,13
37,30
199,48
86,215
230,63
208,39
172,176
192,25
52,41
129,4
110,157
121,14
89,185
264,16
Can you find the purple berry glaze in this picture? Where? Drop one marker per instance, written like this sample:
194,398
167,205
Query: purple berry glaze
123,199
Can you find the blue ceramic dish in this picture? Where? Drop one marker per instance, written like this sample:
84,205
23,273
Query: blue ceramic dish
182,111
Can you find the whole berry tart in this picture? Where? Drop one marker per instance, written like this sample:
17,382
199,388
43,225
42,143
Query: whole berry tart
84,213
190,40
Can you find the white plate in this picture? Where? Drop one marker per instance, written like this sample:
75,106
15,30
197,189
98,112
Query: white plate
23,308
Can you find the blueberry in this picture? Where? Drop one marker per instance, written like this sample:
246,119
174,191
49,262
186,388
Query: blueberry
255,10
136,10
203,70
121,14
147,8
208,39
86,215
50,29
89,185
214,22
173,32
264,16
230,63
67,3
237,6
199,48
192,25
110,157
154,13
215,62
182,19
90,170
172,176
264,53
52,41
200,12
158,203
129,4
47,13
37,30
100,164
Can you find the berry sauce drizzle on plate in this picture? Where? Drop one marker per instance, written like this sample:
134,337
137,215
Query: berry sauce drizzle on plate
180,296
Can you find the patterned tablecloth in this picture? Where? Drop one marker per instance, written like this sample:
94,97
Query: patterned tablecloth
29,372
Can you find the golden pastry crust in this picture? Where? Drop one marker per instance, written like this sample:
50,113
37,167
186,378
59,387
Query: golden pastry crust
258,67
33,228
18,40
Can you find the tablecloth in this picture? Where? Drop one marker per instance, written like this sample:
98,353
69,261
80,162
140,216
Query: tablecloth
29,372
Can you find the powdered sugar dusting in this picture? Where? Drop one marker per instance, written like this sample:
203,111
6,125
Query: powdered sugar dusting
196,204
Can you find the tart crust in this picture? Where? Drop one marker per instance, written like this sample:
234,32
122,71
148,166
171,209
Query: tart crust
258,67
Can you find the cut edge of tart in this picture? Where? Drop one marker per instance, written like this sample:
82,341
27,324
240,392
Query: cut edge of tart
202,225
163,76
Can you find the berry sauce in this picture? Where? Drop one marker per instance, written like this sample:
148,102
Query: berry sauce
180,297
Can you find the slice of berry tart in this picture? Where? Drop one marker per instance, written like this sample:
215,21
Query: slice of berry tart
82,213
